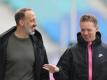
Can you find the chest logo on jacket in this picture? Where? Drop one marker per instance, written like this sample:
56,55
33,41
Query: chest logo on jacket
100,55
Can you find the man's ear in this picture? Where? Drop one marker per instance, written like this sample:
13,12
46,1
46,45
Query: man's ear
21,22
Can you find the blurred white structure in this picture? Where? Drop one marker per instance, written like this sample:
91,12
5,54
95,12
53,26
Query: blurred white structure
6,17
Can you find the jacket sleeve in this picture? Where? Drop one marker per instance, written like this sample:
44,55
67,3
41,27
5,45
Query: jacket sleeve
44,75
0,43
65,66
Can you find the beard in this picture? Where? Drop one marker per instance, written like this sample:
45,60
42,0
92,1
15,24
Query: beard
30,31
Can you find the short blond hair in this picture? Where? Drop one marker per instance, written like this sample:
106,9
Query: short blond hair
88,17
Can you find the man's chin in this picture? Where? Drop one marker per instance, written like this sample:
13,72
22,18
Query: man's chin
32,33
87,40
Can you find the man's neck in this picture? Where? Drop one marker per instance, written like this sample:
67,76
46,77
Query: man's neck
20,33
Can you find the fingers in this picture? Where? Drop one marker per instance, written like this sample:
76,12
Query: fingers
45,68
49,67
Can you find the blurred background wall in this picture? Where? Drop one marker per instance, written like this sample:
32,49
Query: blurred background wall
58,20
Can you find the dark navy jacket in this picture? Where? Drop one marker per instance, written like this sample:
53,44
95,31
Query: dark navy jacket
74,62
39,51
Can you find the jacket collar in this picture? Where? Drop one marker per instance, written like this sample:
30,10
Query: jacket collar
11,30
82,42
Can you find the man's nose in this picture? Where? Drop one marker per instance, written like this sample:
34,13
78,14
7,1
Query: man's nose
85,32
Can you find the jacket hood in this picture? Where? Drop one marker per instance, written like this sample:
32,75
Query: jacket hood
81,41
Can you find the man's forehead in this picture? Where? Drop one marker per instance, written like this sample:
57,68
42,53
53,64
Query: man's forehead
30,14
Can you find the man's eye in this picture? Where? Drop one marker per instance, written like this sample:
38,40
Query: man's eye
82,30
88,30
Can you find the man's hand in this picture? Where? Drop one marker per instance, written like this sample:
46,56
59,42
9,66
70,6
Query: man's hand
51,68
